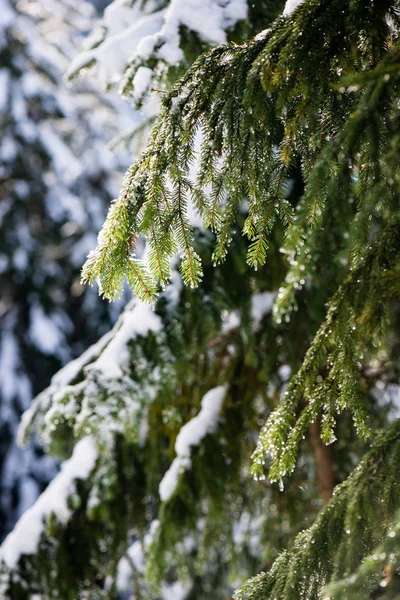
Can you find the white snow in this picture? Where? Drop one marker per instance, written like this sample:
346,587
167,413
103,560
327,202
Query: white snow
7,15
63,159
191,435
246,531
18,106
20,259
141,82
284,372
116,52
291,6
230,320
192,213
68,373
33,84
25,537
134,558
9,362
172,292
44,333
125,28
262,35
170,480
152,534
139,320
64,205
261,304
134,34
103,364
29,491
14,383
174,591
8,149
208,18
388,396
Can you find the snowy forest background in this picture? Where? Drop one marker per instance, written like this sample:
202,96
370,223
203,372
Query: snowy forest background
64,148
57,178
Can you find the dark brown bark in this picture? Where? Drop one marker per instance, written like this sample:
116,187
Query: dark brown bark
324,466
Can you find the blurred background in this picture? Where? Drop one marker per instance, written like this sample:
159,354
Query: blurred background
57,178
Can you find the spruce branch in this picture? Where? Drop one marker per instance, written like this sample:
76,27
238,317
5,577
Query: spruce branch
329,379
378,572
245,99
325,552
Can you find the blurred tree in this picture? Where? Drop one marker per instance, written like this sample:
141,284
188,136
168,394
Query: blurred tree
56,180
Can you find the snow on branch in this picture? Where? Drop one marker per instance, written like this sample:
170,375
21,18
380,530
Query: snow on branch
133,35
99,393
76,392
140,320
25,537
191,434
291,6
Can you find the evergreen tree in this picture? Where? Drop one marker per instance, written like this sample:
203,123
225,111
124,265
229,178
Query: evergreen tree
56,180
291,335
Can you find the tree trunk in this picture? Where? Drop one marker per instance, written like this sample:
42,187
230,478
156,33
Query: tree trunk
324,467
